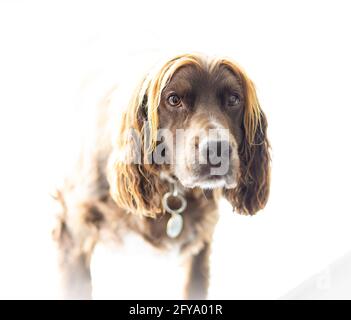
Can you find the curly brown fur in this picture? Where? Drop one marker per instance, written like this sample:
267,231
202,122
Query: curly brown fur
97,198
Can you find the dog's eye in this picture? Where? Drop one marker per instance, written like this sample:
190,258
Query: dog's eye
174,100
233,100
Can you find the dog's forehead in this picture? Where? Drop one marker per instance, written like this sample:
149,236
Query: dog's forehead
189,76
186,77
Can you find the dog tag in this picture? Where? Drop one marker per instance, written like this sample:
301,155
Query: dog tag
175,225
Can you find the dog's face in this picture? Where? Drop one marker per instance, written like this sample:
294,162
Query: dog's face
215,137
203,109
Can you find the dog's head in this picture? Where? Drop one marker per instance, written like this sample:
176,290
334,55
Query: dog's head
199,120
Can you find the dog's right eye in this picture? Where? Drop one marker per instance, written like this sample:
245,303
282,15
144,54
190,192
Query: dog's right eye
174,100
233,100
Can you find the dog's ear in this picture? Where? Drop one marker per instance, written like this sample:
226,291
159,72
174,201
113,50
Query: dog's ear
251,193
134,180
135,183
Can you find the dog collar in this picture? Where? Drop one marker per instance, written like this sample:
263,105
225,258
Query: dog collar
176,222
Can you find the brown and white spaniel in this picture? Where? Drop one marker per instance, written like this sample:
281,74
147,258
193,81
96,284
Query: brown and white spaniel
193,131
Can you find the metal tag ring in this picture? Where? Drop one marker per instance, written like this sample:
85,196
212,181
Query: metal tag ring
183,203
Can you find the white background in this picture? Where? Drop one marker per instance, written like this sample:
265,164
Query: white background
298,54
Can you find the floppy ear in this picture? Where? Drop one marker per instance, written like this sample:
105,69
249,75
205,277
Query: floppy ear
135,185
251,193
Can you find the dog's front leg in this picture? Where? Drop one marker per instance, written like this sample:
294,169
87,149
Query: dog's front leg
198,275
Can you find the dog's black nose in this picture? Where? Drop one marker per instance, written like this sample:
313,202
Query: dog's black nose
216,152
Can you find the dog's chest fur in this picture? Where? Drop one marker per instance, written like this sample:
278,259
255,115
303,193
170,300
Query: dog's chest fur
144,253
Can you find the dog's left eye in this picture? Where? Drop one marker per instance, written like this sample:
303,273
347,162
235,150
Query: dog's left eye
233,100
174,100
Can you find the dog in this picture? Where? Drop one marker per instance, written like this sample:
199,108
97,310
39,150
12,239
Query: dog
160,187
